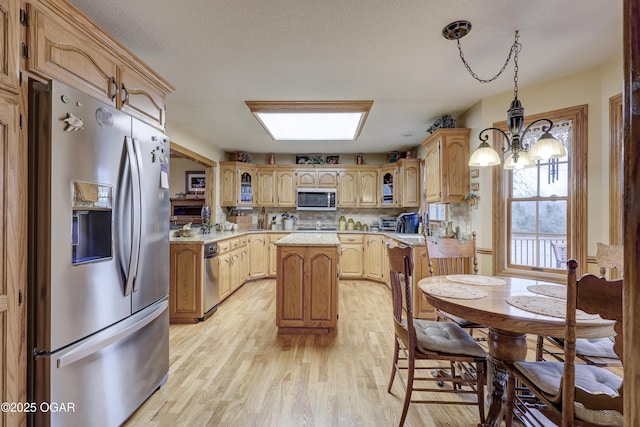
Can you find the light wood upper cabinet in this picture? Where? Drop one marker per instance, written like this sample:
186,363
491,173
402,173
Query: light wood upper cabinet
446,165
61,51
275,186
388,186
9,41
285,188
306,178
358,187
138,97
237,184
347,189
314,178
66,46
266,192
368,188
410,176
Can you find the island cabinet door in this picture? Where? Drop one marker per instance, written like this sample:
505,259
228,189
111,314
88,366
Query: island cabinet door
290,284
322,287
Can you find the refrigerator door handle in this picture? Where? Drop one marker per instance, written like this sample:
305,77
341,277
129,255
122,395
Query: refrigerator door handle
93,346
135,189
141,212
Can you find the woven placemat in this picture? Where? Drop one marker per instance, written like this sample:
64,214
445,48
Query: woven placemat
449,290
553,307
549,290
473,279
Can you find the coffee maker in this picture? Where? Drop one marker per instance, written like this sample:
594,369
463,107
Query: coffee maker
408,223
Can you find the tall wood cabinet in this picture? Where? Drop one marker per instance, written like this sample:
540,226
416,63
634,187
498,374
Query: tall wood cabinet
446,165
50,39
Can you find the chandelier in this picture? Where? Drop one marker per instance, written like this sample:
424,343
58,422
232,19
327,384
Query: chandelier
521,154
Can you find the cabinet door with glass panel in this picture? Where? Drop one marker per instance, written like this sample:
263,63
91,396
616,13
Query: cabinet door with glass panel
236,184
389,186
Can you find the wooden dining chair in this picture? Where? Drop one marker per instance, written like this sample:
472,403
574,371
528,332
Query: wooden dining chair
424,346
576,394
453,256
594,351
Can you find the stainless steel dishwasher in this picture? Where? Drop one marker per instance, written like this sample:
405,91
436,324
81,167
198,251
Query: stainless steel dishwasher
211,294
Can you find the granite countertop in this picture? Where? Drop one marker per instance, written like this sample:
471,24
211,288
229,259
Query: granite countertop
309,239
306,235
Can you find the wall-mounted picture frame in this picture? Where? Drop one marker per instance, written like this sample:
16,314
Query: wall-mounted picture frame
301,159
475,186
195,182
332,160
475,173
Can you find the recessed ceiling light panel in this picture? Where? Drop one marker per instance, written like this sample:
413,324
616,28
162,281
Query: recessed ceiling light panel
311,121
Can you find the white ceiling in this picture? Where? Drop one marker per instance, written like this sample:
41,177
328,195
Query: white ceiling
220,53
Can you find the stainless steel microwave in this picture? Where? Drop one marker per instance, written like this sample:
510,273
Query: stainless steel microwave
316,199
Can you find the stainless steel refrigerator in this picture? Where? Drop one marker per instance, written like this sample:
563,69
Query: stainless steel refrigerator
98,322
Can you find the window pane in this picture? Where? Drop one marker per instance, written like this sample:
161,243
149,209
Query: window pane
525,182
437,212
554,179
553,217
523,217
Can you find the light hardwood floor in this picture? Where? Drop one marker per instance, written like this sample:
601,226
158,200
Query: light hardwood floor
234,370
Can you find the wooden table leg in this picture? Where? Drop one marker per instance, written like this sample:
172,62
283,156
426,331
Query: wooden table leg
504,346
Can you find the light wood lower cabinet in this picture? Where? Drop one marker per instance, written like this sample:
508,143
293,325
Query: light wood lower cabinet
258,256
421,308
374,253
307,289
351,256
186,282
273,255
187,271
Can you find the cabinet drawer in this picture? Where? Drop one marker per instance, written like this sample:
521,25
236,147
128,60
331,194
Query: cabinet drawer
351,238
224,246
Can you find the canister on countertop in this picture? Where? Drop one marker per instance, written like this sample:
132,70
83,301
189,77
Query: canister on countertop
350,224
342,223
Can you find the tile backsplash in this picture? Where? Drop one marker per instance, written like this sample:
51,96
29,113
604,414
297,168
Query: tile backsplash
308,219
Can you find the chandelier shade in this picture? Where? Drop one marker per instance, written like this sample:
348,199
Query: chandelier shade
547,148
484,156
524,161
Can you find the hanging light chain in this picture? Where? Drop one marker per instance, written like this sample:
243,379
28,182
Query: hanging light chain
515,48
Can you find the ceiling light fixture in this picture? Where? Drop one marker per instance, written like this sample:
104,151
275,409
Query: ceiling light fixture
547,147
311,120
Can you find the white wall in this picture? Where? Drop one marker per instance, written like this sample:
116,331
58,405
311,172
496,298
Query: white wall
206,149
594,88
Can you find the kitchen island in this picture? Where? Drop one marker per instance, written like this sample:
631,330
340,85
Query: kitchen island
307,283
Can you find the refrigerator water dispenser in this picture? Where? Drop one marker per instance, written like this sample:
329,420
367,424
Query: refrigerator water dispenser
91,223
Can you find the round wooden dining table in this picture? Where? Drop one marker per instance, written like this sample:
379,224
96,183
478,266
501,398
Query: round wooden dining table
483,299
